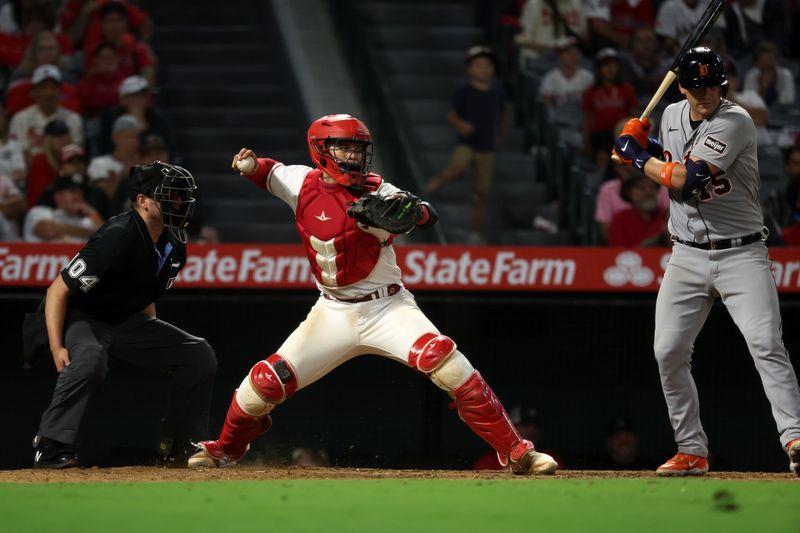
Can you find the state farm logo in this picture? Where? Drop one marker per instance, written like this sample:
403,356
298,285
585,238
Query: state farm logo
628,269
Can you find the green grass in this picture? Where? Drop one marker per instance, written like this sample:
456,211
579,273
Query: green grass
420,505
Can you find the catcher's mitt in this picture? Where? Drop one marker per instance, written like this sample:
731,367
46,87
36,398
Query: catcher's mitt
398,213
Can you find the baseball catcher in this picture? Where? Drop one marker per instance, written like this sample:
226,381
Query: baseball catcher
347,218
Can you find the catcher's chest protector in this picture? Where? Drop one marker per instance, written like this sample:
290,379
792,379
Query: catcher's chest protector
339,252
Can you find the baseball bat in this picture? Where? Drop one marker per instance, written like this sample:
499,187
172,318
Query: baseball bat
710,16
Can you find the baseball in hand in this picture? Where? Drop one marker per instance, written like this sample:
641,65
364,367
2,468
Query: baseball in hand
247,165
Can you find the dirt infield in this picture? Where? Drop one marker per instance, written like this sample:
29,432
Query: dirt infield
139,474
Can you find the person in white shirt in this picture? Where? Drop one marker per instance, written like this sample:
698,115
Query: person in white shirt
775,84
752,102
27,126
544,31
12,161
12,205
676,19
107,171
72,219
566,83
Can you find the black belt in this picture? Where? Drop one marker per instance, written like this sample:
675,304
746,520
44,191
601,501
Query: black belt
723,244
383,292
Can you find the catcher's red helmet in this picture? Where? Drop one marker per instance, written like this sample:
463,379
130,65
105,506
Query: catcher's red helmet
325,132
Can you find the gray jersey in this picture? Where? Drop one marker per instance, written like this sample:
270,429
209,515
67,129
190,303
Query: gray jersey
730,205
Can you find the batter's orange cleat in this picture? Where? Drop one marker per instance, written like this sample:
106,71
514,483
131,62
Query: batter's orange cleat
684,464
793,449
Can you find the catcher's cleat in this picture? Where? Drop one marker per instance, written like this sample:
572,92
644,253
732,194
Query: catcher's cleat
524,459
684,464
793,449
209,454
53,454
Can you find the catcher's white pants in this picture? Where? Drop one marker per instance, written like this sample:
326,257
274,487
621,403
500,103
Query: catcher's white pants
335,332
742,277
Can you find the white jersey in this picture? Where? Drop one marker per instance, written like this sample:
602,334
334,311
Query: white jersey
729,207
285,182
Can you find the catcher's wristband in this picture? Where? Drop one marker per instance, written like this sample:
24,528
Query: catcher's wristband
666,174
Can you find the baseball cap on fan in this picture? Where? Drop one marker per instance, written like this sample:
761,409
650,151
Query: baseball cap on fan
475,52
44,73
71,151
133,85
605,54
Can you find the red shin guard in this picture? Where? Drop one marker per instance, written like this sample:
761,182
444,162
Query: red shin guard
480,409
240,429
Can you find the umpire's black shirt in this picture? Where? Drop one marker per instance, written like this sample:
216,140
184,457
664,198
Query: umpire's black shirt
121,271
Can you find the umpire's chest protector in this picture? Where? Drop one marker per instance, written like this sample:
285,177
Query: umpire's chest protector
339,251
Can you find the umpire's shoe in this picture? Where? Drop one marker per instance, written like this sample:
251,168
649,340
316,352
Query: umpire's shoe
793,449
524,459
53,454
172,455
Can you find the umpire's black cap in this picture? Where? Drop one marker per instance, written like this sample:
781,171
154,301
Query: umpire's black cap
144,179
701,67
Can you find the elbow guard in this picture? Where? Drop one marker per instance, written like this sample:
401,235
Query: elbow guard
430,218
698,175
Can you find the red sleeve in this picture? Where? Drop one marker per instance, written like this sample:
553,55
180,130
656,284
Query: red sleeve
136,16
144,58
70,98
39,177
259,177
12,48
630,96
18,96
68,14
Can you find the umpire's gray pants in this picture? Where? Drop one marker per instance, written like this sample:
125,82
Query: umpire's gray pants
143,341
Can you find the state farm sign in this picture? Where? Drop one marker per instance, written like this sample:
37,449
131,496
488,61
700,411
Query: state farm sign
240,266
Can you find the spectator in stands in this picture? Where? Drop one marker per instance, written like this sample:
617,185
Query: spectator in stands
107,171
750,22
478,115
46,163
612,22
81,18
610,201
791,232
72,219
136,99
643,65
12,160
622,448
605,103
549,24
41,50
99,88
644,223
566,84
774,83
752,102
153,147
28,125
134,57
676,19
12,205
74,164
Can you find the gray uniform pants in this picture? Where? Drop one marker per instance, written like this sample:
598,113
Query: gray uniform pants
143,341
742,277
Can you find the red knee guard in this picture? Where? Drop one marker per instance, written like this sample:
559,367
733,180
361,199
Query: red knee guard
273,379
484,414
430,351
240,429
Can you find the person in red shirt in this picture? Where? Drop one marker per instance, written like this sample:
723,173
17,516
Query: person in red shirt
134,57
791,233
643,224
99,88
45,164
81,18
605,103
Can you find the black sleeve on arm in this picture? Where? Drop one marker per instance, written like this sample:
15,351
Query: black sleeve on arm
103,251
433,216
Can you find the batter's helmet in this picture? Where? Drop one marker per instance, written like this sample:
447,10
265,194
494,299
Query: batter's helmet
172,187
701,67
323,136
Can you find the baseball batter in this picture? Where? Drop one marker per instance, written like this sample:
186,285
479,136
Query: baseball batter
363,307
709,164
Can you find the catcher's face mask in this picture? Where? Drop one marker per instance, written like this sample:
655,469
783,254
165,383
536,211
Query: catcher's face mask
173,188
